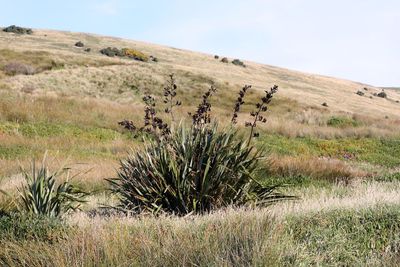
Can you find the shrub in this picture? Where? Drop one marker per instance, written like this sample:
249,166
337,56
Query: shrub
342,122
15,68
40,196
135,54
79,44
17,226
112,52
237,62
17,30
195,169
224,60
382,94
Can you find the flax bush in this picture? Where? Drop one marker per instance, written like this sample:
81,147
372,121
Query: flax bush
193,169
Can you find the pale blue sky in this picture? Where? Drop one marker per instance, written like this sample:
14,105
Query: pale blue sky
354,39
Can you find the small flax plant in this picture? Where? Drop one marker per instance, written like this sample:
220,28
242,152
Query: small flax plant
42,196
193,169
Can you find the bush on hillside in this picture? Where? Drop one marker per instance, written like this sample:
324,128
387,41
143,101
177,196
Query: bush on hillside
79,44
237,62
17,30
224,60
341,122
135,54
112,52
382,94
194,169
360,93
125,52
16,68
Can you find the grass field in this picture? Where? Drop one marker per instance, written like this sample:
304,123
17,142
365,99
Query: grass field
341,161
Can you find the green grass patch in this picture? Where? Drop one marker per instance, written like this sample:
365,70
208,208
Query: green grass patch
45,129
352,237
342,122
383,152
17,226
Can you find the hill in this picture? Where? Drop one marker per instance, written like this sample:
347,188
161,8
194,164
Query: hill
60,94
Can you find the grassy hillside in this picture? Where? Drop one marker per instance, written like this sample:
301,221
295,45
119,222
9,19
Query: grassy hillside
342,160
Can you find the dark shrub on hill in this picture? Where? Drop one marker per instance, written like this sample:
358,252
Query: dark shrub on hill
79,44
112,52
17,30
237,62
225,60
360,93
382,94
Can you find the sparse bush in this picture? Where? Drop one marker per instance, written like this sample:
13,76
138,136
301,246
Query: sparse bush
238,62
79,44
216,57
153,58
195,169
342,122
17,30
382,94
125,52
40,196
225,60
360,93
111,52
135,54
16,68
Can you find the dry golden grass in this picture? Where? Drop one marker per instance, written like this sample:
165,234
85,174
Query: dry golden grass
359,194
308,89
332,170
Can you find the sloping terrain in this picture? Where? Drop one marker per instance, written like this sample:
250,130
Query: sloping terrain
92,74
341,159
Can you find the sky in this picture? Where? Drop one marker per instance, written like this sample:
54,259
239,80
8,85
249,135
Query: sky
353,39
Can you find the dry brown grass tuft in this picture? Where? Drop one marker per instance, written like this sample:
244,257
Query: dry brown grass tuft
332,170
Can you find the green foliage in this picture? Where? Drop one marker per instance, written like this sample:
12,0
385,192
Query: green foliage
372,150
342,122
238,62
195,170
343,236
17,226
41,196
389,177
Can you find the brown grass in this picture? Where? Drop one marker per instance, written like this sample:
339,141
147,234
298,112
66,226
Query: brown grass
332,170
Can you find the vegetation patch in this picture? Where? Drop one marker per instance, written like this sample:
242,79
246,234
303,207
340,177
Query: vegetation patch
17,227
17,30
125,52
372,150
342,122
353,237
